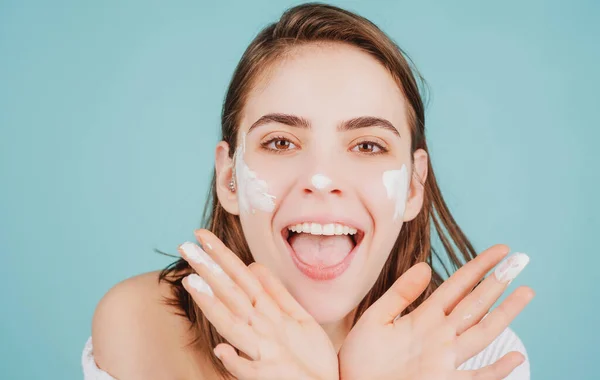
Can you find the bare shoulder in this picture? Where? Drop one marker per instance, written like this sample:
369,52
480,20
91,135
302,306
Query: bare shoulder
137,336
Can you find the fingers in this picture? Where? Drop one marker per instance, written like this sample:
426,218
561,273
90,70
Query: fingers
229,277
475,339
229,308
496,371
474,306
402,293
230,263
239,367
218,281
235,330
279,293
462,282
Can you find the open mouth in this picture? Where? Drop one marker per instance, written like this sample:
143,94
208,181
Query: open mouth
322,251
354,234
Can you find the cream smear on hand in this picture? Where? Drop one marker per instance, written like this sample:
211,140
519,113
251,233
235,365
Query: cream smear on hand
396,185
252,191
511,267
199,284
198,255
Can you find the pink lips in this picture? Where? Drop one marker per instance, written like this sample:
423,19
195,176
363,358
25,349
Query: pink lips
322,273
330,272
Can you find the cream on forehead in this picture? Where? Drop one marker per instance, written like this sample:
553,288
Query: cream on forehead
320,181
252,191
396,185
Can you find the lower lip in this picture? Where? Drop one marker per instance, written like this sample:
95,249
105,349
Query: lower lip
322,274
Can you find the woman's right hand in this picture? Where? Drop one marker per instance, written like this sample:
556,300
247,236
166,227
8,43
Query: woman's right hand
447,329
255,313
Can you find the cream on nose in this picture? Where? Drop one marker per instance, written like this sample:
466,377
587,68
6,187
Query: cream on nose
320,181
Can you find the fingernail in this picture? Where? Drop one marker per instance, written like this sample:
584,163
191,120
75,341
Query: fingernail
199,284
198,255
511,267
198,236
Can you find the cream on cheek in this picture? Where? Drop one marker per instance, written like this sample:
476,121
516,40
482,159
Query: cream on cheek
253,192
396,185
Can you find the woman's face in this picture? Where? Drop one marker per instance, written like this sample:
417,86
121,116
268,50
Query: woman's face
323,175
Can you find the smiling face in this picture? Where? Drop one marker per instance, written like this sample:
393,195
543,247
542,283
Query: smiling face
323,175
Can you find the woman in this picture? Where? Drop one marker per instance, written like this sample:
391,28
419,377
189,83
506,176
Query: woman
316,261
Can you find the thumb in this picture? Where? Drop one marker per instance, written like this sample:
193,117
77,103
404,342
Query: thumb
402,293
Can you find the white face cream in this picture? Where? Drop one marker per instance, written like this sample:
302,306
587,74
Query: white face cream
320,181
511,267
396,185
252,191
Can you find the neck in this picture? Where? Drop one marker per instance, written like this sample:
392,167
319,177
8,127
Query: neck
338,330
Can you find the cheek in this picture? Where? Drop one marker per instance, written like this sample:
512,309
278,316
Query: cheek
254,191
385,193
256,221
257,199
396,186
261,185
277,175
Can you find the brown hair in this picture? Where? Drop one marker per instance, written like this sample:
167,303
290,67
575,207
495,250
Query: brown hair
322,23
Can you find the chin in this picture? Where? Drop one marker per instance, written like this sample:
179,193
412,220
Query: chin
321,306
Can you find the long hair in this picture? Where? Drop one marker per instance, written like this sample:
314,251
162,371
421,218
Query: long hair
311,23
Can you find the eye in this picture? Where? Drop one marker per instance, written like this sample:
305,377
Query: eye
369,147
278,144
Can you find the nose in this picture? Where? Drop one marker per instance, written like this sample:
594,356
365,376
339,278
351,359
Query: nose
323,184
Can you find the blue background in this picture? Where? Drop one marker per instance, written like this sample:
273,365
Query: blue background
109,113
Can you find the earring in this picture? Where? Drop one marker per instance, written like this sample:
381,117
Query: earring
232,185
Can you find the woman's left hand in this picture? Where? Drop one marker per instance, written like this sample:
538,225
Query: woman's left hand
254,312
444,331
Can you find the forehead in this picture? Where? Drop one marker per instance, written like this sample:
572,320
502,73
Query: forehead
327,84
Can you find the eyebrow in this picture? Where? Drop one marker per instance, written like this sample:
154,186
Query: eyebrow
347,125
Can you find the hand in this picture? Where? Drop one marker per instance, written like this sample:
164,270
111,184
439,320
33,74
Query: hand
444,331
254,312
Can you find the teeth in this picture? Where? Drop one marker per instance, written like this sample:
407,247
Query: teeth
316,229
339,229
328,229
322,229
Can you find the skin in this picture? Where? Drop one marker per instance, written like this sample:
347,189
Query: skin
278,339
310,336
326,85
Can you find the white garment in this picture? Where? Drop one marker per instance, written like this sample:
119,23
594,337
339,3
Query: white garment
506,342
90,368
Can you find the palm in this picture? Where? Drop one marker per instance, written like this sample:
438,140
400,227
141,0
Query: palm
441,333
305,342
396,345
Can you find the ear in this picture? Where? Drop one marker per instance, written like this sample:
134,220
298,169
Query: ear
416,191
224,172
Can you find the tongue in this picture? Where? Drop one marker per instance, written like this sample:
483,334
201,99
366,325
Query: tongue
321,250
